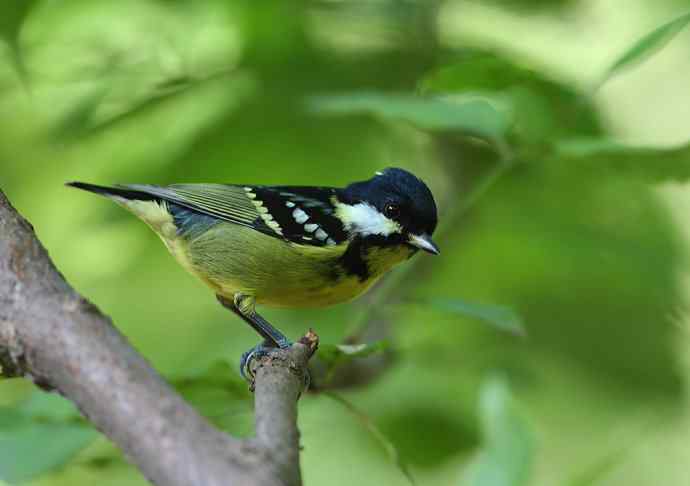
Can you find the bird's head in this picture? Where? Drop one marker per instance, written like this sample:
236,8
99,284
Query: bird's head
393,207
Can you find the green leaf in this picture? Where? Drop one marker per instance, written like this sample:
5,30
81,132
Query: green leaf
49,407
501,317
541,109
646,164
646,46
333,354
29,448
376,433
473,116
507,452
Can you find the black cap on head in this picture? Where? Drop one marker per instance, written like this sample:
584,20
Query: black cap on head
399,195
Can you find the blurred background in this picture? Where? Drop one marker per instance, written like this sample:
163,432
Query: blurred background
547,345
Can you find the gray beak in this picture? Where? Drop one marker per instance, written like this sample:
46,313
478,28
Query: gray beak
424,242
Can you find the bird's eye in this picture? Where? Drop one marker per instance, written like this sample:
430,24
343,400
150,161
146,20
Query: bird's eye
391,210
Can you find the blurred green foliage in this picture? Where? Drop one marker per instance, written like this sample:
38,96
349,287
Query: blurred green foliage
507,452
550,228
42,419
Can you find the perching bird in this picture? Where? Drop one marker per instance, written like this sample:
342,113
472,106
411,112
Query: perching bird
285,246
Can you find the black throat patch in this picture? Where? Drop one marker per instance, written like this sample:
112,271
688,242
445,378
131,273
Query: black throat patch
354,260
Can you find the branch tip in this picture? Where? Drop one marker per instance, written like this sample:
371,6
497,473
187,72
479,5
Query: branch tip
311,341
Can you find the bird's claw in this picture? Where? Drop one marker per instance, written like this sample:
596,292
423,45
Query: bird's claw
256,353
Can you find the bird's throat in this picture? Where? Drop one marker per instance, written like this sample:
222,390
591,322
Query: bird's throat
369,259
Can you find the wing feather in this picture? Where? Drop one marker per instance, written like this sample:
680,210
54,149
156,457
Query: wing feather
218,201
225,202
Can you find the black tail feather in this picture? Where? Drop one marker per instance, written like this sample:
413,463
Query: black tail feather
123,192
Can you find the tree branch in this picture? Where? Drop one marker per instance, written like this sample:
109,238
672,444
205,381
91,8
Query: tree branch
52,335
275,403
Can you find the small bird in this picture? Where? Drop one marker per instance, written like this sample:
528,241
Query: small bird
285,246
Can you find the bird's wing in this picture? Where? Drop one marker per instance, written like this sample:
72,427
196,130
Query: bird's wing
225,202
302,215
306,215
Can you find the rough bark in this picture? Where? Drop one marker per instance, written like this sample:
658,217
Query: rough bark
53,336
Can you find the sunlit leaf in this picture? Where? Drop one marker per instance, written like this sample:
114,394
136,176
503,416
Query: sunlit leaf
507,452
647,164
501,317
472,116
376,433
647,46
29,447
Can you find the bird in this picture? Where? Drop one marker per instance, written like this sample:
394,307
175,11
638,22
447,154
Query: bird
285,246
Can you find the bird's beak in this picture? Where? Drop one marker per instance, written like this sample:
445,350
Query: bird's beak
424,242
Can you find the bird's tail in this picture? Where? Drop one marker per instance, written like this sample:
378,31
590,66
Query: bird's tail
148,207
114,192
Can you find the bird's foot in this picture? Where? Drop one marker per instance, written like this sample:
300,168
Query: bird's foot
258,352
266,349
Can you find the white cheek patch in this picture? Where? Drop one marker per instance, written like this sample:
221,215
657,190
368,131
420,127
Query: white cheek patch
366,220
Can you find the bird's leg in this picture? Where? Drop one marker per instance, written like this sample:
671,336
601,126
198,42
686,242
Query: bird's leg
243,306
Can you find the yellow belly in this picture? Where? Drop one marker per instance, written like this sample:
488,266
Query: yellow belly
231,259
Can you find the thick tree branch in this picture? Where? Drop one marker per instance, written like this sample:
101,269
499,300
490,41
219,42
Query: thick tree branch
52,335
